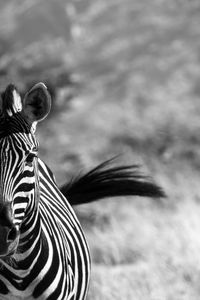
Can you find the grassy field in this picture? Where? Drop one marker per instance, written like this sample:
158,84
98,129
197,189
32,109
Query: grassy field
125,79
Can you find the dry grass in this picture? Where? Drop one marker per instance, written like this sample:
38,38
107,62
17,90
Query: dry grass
147,250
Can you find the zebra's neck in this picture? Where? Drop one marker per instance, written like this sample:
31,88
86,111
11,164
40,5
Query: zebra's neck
30,238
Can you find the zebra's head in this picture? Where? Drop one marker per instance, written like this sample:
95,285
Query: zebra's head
19,179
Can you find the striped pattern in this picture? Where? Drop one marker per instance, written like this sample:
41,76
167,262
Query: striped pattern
52,259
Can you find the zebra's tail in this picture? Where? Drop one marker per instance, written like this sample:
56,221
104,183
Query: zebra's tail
107,180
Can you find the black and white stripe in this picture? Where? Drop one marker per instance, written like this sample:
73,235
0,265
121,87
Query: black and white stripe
52,260
43,251
48,256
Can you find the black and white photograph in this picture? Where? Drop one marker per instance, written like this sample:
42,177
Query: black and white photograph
99,150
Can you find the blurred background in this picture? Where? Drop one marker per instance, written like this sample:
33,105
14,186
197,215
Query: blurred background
125,79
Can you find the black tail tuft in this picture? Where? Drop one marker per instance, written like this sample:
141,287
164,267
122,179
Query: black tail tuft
110,181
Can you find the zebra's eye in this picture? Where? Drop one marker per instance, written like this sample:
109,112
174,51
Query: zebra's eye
30,158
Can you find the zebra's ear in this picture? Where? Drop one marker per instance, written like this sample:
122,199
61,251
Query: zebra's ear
36,103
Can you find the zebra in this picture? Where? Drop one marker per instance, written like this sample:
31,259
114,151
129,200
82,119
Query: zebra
43,251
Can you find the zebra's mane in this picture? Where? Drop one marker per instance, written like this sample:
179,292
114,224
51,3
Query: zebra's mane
13,124
11,118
